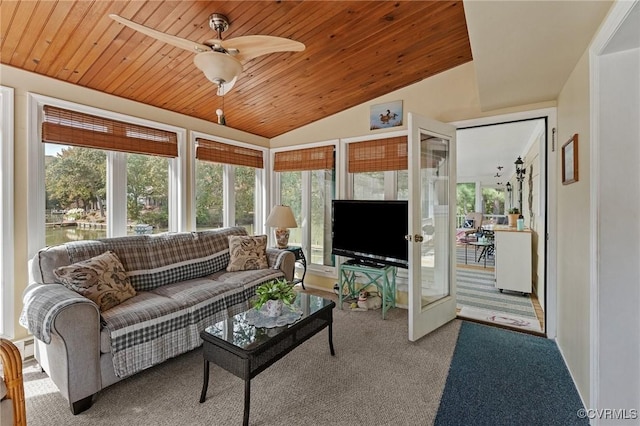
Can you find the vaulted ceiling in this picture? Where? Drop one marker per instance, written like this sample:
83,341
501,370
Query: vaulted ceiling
355,52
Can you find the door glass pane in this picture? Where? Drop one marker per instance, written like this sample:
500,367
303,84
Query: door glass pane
434,199
209,195
147,194
75,191
245,189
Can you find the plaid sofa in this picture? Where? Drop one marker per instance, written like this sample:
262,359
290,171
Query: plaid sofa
182,287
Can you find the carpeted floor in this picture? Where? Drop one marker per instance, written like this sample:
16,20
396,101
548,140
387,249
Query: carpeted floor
377,377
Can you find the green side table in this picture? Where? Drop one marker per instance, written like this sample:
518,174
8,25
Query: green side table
383,278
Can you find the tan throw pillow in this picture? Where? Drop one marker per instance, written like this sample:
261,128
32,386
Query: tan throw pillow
101,279
247,253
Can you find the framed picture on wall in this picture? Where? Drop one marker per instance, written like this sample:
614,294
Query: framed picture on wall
570,160
385,115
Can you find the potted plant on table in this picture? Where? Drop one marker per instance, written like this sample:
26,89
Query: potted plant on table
514,214
274,294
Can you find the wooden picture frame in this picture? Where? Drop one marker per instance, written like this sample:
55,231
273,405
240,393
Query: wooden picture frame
570,160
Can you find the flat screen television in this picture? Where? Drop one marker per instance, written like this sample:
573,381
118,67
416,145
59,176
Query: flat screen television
371,231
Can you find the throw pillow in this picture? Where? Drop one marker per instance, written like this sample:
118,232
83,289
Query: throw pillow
247,253
101,279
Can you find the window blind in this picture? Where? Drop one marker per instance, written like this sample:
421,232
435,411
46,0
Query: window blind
378,155
66,127
219,152
320,158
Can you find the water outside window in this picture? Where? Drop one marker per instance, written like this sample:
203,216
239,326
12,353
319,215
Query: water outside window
75,191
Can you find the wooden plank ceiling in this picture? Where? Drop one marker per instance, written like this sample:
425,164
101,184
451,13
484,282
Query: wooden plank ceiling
355,51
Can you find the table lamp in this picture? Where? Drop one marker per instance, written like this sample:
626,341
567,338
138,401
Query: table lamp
281,218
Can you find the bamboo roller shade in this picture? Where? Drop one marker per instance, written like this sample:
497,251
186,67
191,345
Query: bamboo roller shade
66,127
320,158
378,155
219,152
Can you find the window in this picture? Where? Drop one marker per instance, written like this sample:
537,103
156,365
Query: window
228,184
378,169
97,173
75,193
306,181
6,213
493,201
147,193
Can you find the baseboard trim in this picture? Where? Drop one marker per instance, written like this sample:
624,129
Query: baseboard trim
26,347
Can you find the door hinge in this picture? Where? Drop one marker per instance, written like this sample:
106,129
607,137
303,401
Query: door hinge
553,140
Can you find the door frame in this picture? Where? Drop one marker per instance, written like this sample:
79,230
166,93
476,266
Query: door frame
548,203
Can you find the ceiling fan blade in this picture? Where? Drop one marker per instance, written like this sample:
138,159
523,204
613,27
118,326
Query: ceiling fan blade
226,87
182,43
249,47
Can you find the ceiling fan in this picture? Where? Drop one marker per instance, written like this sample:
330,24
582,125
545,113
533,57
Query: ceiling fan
221,61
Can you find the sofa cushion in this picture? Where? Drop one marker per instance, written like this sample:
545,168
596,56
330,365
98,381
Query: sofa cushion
152,261
192,292
101,279
145,306
247,253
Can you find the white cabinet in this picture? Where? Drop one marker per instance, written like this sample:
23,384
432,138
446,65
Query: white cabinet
513,260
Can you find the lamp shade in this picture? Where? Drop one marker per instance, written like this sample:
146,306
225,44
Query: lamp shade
218,67
281,217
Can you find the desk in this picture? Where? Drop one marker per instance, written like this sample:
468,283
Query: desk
297,251
383,278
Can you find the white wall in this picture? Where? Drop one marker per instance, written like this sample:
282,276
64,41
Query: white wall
448,97
574,229
618,151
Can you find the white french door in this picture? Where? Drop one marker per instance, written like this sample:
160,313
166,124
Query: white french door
432,210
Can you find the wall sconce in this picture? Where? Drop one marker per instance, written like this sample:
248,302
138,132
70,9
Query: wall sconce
520,171
281,218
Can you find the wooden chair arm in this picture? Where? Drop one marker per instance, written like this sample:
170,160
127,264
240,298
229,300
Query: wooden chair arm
12,367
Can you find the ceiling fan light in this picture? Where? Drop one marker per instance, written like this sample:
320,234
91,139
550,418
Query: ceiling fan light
218,67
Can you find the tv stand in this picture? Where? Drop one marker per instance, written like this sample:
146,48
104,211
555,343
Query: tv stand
383,277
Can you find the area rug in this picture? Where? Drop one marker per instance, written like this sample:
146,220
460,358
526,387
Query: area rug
501,377
479,299
471,256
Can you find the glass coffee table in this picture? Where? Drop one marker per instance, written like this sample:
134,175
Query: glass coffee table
245,350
